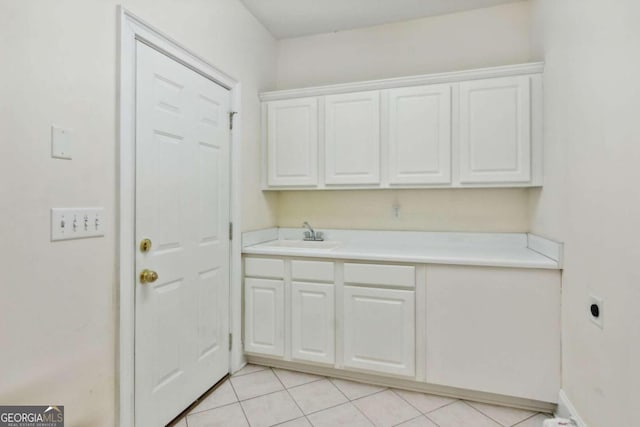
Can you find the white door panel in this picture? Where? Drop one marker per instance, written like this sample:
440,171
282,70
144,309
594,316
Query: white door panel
379,330
292,142
420,135
182,206
495,130
264,316
352,138
312,323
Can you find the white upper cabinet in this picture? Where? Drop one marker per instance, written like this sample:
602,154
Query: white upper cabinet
419,139
292,142
495,130
352,138
472,128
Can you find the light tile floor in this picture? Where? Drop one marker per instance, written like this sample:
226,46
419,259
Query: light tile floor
258,396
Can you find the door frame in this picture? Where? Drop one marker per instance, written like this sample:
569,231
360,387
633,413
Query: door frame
132,29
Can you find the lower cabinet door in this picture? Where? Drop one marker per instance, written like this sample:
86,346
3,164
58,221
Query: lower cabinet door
379,330
312,322
264,316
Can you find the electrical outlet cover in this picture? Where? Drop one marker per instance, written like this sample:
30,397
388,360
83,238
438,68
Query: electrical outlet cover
598,321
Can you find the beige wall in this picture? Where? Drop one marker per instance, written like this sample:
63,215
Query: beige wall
479,38
432,210
590,199
58,300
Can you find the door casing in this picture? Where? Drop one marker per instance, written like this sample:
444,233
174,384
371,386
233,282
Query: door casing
133,28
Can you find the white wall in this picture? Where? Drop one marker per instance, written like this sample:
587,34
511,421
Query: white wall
496,35
58,300
590,199
478,38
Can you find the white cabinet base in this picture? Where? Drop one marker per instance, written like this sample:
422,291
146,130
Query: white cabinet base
494,329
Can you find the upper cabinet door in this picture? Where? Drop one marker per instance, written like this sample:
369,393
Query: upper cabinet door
495,130
352,139
292,142
420,135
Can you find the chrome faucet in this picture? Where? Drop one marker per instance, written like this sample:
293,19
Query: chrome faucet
312,235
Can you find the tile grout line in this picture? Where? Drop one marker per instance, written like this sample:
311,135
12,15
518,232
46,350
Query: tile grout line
528,418
298,385
406,421
443,406
428,412
237,374
259,395
431,419
407,402
291,396
324,409
339,404
348,400
354,405
481,413
239,403
510,425
362,397
422,414
359,397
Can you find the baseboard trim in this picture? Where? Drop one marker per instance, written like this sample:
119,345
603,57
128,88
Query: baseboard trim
567,410
476,396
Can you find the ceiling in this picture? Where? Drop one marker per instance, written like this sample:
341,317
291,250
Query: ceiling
294,18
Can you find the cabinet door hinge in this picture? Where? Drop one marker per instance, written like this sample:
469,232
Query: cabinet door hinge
231,114
230,341
230,231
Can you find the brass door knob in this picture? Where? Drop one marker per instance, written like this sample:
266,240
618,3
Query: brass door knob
148,276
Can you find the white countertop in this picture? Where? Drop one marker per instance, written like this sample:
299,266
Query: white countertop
480,249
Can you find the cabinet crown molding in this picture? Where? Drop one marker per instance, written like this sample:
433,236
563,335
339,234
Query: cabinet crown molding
418,80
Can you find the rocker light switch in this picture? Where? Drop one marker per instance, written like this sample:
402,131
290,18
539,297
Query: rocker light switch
61,143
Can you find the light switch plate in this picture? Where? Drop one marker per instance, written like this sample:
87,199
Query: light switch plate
76,223
61,143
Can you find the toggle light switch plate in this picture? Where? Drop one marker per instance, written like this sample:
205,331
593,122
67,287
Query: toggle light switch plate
76,223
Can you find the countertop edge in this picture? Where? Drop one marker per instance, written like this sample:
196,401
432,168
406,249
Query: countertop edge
547,265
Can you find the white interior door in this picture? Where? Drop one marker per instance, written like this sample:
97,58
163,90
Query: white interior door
182,206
